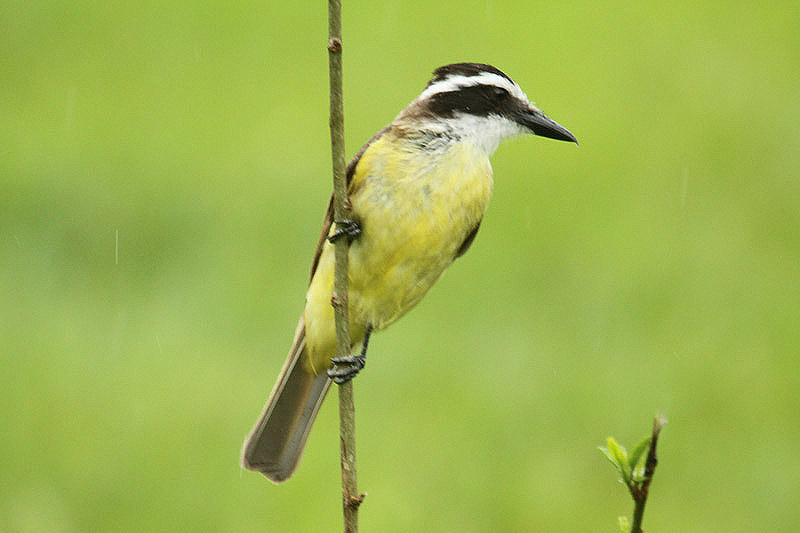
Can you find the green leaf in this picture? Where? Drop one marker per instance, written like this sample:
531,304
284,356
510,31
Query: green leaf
617,451
637,475
609,457
620,456
636,454
624,524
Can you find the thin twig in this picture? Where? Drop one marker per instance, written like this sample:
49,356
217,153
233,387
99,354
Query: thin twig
350,496
641,491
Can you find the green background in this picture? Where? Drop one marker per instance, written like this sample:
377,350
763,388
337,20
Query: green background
163,174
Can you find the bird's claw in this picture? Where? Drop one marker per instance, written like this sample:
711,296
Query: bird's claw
347,227
346,367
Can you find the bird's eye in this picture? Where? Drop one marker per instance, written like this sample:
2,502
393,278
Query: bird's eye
499,93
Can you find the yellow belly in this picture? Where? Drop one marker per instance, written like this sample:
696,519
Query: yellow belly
415,210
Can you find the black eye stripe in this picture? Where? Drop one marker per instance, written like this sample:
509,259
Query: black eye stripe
480,100
500,92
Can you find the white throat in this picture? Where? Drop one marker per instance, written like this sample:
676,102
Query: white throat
485,133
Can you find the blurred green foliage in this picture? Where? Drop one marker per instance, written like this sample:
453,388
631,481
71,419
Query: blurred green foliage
163,174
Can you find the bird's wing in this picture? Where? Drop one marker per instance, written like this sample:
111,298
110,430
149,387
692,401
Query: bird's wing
328,220
467,241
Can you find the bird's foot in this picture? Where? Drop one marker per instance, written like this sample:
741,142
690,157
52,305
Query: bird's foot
345,228
345,368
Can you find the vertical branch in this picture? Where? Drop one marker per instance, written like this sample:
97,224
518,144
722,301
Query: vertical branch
350,498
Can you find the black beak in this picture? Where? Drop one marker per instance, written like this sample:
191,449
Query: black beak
540,125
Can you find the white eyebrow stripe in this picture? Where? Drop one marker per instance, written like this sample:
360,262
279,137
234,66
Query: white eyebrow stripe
453,83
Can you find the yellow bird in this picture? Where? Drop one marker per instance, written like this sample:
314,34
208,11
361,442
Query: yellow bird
418,191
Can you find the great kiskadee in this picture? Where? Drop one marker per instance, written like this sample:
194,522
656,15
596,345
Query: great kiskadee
418,190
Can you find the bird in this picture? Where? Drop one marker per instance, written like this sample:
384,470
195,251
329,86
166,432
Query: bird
418,190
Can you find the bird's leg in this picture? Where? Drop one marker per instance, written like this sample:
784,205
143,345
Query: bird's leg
346,367
347,227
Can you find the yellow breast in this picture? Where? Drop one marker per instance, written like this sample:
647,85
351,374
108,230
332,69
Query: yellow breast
415,209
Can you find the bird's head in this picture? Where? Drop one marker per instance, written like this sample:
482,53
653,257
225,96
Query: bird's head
480,102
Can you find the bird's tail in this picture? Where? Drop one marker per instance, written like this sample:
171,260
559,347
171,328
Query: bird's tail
276,442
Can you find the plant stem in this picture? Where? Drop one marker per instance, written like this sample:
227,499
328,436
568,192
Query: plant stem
350,497
638,513
641,492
